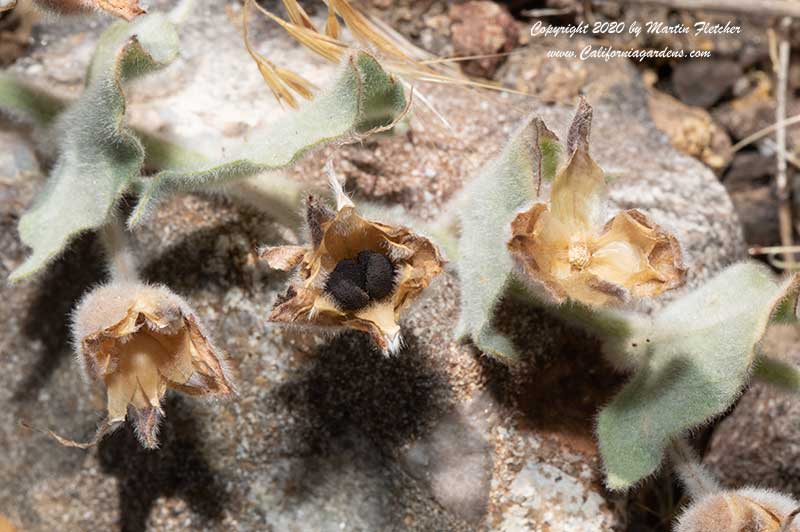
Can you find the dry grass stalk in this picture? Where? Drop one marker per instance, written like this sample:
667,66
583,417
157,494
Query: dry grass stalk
280,81
782,181
399,56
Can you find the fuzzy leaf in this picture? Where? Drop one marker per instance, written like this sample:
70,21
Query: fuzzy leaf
489,204
25,103
778,373
364,97
695,357
98,155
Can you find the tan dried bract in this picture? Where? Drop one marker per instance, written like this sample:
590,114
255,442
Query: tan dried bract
341,235
125,9
141,340
567,250
743,510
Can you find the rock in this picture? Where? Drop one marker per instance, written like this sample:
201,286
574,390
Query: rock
560,79
326,433
747,48
15,32
704,83
749,112
690,129
748,181
425,24
481,28
757,444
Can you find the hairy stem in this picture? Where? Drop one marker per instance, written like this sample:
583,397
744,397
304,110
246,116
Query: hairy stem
120,259
274,194
697,480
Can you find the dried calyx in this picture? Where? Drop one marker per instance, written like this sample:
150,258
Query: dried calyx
141,340
742,510
567,250
357,273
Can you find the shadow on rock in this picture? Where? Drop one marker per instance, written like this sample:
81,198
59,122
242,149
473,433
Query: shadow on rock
48,318
353,389
561,386
177,469
213,258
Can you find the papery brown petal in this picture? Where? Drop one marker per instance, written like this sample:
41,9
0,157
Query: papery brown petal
282,258
743,510
295,305
526,256
601,293
126,9
120,389
580,128
207,363
578,195
665,269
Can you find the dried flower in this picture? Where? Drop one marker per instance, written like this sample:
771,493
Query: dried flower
567,249
743,510
125,9
141,340
356,273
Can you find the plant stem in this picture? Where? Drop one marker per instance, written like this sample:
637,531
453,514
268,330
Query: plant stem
697,480
120,259
272,193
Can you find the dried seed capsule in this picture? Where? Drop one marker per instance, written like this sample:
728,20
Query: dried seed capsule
568,249
741,510
140,340
339,284
378,273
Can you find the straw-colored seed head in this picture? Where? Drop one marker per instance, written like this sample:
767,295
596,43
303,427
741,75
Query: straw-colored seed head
569,248
743,510
357,273
140,340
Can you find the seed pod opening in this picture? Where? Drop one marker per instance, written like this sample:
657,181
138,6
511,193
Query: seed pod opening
743,510
356,273
567,250
141,340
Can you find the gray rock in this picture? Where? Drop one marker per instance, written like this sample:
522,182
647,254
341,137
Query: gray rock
326,434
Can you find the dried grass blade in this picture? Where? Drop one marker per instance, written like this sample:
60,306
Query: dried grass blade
332,28
298,15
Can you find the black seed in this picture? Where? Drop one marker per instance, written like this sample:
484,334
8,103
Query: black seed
378,272
348,269
346,285
348,296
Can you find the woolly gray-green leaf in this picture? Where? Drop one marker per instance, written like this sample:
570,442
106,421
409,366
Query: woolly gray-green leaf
98,155
26,103
364,97
695,357
778,373
487,207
